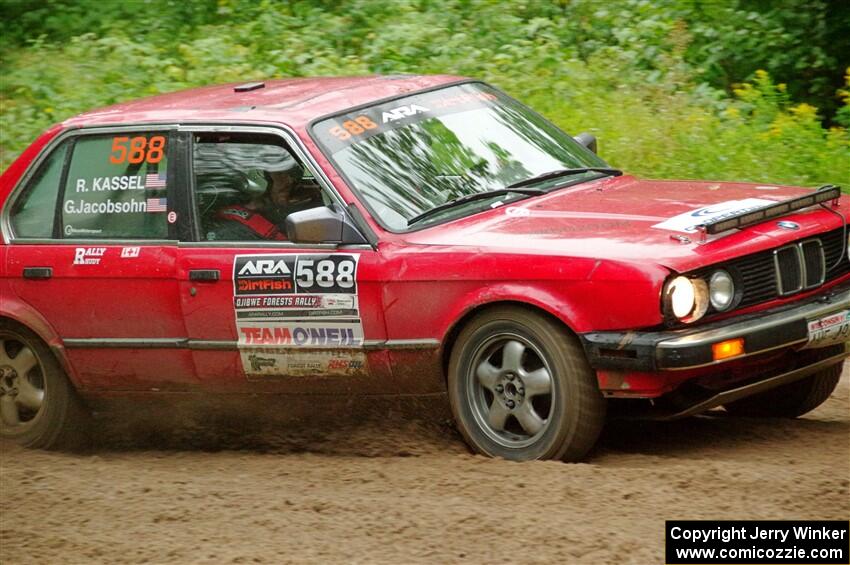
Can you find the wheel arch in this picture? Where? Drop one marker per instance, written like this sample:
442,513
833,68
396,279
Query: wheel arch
457,326
23,315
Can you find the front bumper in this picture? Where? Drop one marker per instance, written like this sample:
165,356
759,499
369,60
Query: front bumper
691,348
674,411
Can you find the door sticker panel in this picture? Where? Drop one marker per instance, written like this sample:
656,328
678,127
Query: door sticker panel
298,314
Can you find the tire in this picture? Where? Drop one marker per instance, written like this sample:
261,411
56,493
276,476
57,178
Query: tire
520,388
791,400
39,407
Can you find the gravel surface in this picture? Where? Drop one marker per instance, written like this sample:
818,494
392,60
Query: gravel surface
406,490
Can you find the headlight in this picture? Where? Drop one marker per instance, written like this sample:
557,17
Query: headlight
682,295
721,290
687,299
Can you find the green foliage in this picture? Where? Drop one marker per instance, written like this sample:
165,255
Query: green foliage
623,69
806,42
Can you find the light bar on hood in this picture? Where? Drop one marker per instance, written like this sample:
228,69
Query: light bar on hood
744,219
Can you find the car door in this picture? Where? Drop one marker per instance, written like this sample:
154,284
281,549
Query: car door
264,313
93,251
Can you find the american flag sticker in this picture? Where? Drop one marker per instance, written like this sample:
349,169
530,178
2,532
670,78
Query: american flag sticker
155,180
156,205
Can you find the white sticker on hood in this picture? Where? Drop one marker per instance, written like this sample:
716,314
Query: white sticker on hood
689,221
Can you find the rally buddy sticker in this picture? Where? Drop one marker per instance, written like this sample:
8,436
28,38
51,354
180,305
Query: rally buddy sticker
88,255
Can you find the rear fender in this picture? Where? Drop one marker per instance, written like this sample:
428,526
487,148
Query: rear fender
19,311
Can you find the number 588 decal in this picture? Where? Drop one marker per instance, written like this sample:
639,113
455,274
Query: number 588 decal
326,274
135,150
355,126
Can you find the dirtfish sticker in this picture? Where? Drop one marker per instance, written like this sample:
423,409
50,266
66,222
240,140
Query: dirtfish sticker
689,221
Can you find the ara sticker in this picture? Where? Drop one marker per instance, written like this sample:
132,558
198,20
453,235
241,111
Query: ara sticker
401,112
172,217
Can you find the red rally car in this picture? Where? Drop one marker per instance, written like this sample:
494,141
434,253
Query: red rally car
390,235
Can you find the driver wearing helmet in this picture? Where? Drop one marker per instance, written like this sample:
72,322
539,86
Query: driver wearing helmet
262,217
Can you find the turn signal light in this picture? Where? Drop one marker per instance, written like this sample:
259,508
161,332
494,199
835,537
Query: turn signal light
729,348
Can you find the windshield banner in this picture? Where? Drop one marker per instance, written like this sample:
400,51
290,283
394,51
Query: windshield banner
348,129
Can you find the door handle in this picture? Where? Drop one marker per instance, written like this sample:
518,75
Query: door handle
208,275
38,272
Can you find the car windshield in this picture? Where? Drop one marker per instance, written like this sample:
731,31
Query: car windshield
413,154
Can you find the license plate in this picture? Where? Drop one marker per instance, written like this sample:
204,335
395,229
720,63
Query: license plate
829,330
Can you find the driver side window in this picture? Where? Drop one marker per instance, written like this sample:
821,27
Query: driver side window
246,186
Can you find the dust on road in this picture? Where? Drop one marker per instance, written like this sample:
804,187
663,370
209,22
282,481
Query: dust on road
406,490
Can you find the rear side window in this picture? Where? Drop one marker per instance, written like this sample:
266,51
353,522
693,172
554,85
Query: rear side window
32,215
116,187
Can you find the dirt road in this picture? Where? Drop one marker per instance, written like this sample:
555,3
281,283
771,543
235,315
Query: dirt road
402,490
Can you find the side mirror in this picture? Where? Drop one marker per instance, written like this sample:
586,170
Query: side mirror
321,225
587,140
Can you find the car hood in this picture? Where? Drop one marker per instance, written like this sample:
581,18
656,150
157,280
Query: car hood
634,220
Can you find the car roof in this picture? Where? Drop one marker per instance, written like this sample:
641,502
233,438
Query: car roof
295,101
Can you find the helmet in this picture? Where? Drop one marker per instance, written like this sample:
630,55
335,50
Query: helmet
271,159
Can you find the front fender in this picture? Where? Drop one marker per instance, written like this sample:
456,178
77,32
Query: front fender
542,296
432,290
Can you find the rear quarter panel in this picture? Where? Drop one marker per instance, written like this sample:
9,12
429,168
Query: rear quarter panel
11,306
12,175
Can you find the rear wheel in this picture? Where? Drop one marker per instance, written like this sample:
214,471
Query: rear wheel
521,388
791,400
38,406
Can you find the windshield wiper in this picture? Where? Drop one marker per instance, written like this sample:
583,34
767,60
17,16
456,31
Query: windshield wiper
564,173
471,198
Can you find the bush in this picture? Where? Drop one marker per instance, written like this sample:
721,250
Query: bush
632,85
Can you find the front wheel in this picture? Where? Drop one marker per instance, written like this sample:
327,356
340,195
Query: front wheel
38,406
520,388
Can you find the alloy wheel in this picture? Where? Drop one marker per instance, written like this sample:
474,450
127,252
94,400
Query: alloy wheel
511,390
21,384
